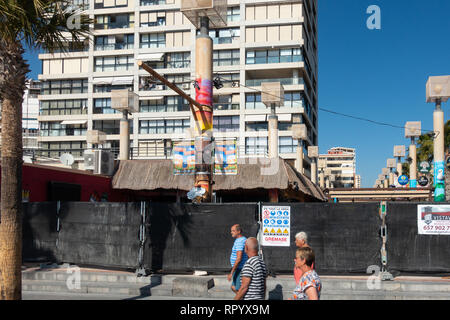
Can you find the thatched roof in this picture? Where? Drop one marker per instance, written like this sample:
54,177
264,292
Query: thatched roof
158,174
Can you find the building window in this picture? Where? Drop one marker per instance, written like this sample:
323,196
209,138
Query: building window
153,40
108,87
118,21
226,57
256,145
287,145
253,101
64,86
292,99
230,80
55,129
273,56
117,42
256,126
152,20
63,107
55,149
226,123
163,126
167,104
226,102
178,60
100,4
108,126
152,2
221,36
103,106
105,64
233,14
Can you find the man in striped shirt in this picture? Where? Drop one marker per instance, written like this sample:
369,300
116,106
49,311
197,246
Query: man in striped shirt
253,274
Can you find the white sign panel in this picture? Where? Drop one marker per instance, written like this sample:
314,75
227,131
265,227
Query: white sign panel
433,219
276,226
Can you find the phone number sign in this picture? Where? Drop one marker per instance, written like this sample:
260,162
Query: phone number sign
276,226
433,219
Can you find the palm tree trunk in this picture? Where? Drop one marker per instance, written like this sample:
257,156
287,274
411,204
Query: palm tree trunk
13,70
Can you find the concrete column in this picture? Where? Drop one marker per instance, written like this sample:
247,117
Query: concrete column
413,165
391,178
314,170
321,179
399,167
273,136
204,96
439,156
386,183
299,160
124,151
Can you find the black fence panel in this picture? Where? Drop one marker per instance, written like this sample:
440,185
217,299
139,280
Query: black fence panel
409,251
195,237
345,237
39,232
99,234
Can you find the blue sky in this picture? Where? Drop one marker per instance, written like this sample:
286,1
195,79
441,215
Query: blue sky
374,74
378,74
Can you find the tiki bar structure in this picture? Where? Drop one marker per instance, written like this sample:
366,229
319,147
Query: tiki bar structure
154,180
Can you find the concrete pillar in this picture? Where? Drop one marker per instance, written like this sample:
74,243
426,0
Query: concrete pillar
204,96
314,170
413,165
321,179
386,183
299,159
273,136
124,151
439,156
391,178
399,167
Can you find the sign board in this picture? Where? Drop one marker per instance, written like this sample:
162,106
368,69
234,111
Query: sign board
184,158
433,219
424,167
413,129
313,151
276,226
399,151
423,181
225,158
403,180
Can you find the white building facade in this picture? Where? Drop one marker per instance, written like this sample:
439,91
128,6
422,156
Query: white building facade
264,41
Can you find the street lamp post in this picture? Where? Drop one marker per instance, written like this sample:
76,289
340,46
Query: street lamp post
390,163
399,152
385,173
413,130
438,91
313,154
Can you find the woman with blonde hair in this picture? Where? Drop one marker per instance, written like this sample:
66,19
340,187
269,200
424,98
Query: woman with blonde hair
309,286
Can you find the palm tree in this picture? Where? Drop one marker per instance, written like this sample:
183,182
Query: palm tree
35,24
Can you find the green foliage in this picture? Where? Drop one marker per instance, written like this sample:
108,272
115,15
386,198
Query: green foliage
42,23
425,146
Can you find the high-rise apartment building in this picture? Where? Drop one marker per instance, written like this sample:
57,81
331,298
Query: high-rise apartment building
341,163
264,41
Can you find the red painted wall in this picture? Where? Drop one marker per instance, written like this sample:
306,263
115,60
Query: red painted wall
35,179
